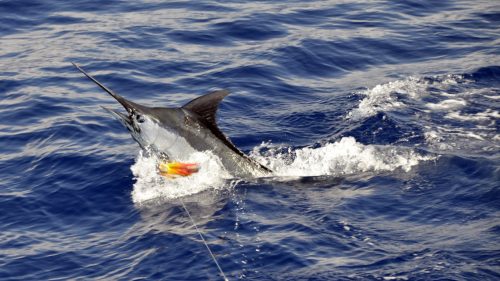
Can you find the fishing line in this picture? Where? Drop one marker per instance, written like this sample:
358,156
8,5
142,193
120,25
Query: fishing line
204,242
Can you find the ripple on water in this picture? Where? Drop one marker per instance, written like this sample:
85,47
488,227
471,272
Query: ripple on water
380,120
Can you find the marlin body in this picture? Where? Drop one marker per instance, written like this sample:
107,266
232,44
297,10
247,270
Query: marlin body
175,133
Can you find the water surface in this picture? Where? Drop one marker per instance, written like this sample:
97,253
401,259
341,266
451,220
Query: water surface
380,120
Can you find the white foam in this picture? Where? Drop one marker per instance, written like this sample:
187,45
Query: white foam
437,140
343,157
150,185
401,93
480,116
447,104
432,100
346,156
384,97
402,277
492,97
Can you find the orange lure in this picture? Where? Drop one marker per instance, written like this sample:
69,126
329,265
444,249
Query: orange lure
175,169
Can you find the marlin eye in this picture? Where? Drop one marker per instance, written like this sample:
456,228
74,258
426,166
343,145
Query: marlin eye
140,118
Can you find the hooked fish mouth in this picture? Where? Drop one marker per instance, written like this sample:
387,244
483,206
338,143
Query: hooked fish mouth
123,118
129,120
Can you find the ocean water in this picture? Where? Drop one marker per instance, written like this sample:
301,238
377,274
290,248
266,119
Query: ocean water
380,120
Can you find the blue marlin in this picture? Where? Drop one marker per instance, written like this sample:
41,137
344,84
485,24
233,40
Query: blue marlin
174,133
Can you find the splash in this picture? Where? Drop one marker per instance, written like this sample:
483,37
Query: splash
401,93
448,108
383,97
344,157
150,185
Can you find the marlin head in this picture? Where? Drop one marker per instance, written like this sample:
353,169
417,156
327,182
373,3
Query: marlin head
136,115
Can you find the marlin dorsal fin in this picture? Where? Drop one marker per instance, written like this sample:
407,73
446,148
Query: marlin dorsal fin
206,106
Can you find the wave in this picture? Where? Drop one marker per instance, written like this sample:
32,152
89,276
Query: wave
454,112
344,157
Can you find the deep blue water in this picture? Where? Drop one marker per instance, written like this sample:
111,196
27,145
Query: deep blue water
380,119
